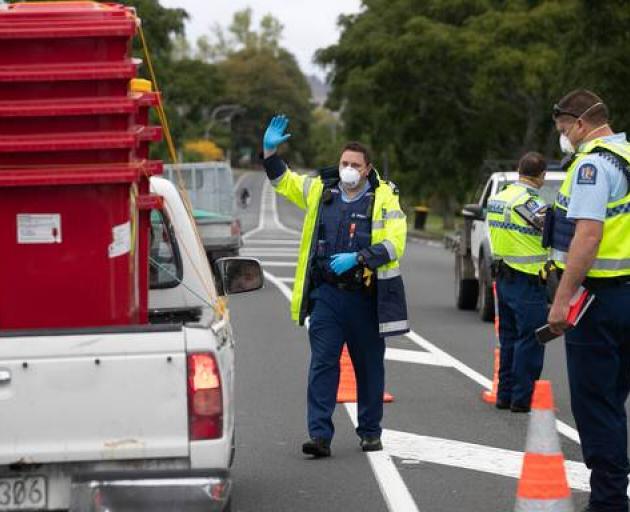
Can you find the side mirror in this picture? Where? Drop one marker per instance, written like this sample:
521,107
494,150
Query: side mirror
238,275
473,212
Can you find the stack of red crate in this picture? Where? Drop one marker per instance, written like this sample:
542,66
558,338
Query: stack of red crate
74,168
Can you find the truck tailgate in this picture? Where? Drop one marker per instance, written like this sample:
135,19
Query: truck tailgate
102,396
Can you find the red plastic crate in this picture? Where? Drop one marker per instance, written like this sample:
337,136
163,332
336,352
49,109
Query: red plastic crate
56,10
65,42
77,281
75,114
75,277
78,80
71,148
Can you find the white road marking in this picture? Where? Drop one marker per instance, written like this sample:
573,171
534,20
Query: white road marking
396,494
264,241
279,264
392,486
287,280
266,252
264,205
476,457
427,449
240,180
563,428
414,356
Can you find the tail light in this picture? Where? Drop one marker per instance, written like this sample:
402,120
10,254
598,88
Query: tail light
205,398
235,228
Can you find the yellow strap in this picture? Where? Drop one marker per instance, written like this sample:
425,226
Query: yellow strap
218,304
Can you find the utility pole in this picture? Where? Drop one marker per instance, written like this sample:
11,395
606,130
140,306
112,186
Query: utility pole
225,114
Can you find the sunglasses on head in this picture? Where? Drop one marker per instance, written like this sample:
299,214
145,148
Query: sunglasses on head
557,112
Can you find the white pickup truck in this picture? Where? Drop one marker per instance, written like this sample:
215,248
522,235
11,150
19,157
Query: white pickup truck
473,256
130,418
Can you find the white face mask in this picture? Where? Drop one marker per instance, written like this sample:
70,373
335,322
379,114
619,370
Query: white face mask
350,176
565,145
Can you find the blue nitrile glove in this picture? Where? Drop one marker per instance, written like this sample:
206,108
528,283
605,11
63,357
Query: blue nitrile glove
343,262
274,135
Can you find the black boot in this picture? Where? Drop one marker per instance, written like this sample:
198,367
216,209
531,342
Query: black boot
317,447
502,404
371,444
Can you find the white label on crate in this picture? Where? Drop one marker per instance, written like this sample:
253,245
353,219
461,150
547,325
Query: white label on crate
39,228
121,235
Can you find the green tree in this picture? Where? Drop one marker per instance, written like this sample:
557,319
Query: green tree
263,85
190,87
241,36
597,54
443,85
326,137
262,78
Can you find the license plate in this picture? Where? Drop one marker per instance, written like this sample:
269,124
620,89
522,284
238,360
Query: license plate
23,493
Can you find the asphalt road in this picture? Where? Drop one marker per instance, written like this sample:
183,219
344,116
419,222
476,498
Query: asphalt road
445,449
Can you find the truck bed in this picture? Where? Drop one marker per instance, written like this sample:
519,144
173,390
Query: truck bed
93,396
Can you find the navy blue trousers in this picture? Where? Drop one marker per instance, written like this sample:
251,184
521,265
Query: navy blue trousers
522,309
598,359
339,316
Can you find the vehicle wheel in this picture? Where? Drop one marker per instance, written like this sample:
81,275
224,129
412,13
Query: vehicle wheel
486,295
466,290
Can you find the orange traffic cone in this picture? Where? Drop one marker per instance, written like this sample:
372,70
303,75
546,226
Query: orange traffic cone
490,397
543,485
347,390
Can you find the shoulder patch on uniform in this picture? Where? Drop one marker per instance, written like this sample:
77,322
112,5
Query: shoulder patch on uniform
394,187
532,205
587,175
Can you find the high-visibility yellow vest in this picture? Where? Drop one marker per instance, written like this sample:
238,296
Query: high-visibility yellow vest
389,227
613,256
513,240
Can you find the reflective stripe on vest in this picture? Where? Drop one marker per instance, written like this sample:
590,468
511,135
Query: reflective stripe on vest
598,264
391,250
613,255
514,241
388,273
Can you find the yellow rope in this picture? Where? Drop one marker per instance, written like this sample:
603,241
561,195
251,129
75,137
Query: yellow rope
217,302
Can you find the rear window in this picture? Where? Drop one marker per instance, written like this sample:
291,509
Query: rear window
165,263
548,192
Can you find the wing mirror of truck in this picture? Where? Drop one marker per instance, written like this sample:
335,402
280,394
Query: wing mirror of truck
474,212
238,275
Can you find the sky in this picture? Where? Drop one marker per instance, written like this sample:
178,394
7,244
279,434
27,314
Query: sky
308,24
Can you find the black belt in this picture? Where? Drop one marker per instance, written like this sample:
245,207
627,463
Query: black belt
595,283
341,284
599,283
503,270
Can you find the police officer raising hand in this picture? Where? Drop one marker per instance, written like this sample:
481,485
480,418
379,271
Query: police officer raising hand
347,280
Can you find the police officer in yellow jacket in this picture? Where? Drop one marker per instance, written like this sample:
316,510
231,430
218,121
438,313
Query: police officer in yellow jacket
591,244
515,219
347,281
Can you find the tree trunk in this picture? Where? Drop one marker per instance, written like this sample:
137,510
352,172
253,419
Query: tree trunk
448,212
